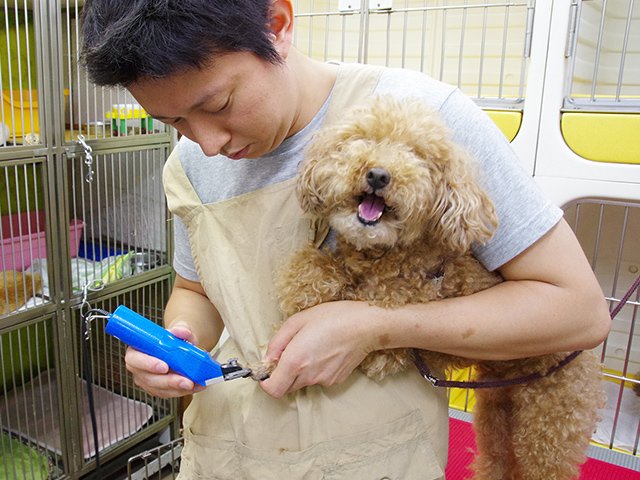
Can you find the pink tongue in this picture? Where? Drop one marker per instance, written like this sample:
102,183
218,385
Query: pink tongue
371,207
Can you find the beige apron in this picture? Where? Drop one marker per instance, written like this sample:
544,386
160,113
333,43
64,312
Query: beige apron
361,429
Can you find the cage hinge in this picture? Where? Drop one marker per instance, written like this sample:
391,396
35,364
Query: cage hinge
528,34
349,6
572,30
380,5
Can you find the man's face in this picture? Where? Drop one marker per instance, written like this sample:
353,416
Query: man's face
240,107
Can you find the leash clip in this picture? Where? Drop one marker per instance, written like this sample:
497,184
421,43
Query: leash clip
434,380
88,313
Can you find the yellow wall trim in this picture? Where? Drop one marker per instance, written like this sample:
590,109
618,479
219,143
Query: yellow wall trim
507,120
603,137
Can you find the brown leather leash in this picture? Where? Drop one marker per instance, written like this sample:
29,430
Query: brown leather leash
437,382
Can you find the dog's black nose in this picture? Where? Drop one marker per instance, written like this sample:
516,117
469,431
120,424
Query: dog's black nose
378,178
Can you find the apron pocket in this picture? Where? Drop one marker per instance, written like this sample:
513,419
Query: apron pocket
411,460
216,459
399,450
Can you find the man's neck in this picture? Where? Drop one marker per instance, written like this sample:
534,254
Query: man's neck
315,80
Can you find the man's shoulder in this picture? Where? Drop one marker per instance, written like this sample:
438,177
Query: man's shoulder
406,83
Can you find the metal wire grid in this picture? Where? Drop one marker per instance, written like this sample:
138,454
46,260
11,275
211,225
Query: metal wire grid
22,235
40,404
18,77
481,46
161,463
604,55
119,422
118,223
122,210
609,232
96,112
124,213
27,351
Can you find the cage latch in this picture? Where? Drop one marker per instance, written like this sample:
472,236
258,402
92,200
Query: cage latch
88,157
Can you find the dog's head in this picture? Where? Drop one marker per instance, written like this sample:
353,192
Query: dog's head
387,174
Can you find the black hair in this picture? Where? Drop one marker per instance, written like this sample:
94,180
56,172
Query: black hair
124,41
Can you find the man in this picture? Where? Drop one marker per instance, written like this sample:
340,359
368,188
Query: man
225,75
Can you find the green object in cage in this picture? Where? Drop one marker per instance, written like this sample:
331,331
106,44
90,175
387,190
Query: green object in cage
22,461
17,50
120,268
21,188
25,354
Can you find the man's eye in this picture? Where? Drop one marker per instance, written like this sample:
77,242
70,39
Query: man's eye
224,107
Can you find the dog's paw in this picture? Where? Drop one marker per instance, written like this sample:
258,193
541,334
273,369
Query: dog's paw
262,371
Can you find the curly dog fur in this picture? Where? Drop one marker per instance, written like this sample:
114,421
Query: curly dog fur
403,199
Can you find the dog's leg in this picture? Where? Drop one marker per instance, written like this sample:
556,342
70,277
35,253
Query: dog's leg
310,278
554,420
539,440
492,424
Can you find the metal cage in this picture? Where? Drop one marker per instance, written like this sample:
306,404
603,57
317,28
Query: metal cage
160,463
480,46
604,47
81,199
609,232
46,420
84,222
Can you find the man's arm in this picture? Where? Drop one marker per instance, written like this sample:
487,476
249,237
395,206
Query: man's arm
550,302
191,316
189,306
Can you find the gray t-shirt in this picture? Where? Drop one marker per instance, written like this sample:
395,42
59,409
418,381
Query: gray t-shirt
524,214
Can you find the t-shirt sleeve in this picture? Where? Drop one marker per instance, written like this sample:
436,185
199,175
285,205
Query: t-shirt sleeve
524,213
182,256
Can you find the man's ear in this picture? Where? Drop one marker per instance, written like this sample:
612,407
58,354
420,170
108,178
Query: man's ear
282,26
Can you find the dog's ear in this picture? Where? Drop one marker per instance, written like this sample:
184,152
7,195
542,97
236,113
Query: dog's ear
308,194
465,213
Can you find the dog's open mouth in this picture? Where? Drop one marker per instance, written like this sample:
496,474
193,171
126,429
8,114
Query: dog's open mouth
371,209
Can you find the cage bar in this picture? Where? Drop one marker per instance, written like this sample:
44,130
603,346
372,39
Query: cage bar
125,217
609,233
604,74
479,46
161,463
30,448
124,409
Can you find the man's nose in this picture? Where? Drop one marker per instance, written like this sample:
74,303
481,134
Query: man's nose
211,137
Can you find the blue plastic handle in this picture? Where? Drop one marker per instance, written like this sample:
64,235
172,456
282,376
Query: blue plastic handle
181,356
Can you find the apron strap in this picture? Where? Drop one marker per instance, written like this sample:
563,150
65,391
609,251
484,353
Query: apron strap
355,82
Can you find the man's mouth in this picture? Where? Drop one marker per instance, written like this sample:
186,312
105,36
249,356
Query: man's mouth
239,155
371,209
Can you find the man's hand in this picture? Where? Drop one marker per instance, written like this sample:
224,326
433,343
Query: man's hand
319,346
153,375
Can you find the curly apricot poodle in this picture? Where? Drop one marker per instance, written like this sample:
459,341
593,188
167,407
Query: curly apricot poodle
404,202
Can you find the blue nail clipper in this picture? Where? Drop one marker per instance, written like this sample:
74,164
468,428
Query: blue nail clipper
182,357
